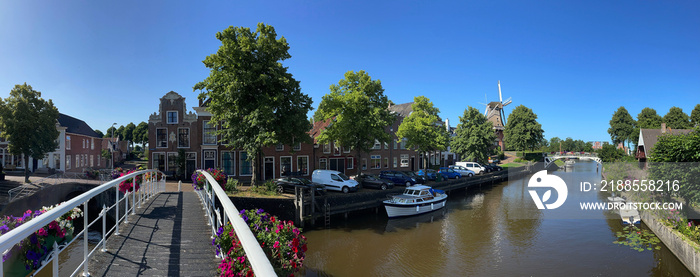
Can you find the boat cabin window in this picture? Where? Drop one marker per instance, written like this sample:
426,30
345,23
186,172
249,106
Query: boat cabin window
419,200
423,193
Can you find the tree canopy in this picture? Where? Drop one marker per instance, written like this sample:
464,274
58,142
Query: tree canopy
695,116
251,95
677,119
622,126
111,132
676,157
358,110
522,130
99,133
141,133
423,128
649,119
474,138
28,123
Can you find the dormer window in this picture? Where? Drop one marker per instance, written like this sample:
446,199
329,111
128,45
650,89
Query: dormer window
172,117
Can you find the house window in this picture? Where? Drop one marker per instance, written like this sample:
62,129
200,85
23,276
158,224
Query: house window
246,166
396,162
346,149
209,158
285,166
386,146
377,145
336,149
57,161
67,142
396,144
77,161
403,143
172,117
303,165
159,161
375,161
162,138
209,133
92,160
183,137
228,163
327,148
279,147
172,162
322,164
99,159
351,162
68,161
364,164
297,147
386,162
404,160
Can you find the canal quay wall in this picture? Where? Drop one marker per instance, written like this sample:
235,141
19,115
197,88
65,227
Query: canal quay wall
685,250
306,208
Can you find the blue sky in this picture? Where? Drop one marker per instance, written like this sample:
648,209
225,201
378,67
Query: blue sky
572,62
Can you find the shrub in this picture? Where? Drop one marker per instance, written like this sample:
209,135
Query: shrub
231,185
281,241
267,188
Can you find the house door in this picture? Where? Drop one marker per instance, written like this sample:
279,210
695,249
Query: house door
269,168
190,165
337,164
413,163
209,159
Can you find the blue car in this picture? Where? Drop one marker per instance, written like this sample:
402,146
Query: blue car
398,177
449,173
429,174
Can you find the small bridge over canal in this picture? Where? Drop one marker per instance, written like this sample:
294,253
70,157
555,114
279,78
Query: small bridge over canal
159,231
549,159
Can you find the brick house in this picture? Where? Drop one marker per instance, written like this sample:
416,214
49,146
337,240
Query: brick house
173,128
79,147
649,137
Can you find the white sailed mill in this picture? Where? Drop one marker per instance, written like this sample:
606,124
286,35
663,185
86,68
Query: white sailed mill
494,113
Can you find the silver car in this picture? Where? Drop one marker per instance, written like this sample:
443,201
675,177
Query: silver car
462,170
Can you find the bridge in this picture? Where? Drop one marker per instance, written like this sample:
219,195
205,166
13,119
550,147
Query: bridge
157,231
550,158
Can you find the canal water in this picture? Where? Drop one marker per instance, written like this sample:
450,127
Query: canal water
477,235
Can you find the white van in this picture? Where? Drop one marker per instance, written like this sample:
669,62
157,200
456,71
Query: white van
473,166
334,180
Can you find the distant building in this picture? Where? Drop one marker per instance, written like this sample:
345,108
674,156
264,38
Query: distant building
597,145
649,137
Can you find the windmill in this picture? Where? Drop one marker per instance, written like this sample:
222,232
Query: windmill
495,114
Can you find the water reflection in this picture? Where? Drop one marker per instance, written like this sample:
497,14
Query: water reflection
492,231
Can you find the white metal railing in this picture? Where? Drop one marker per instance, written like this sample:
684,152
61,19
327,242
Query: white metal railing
212,191
148,189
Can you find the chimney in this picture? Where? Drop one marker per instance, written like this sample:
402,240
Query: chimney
663,128
447,124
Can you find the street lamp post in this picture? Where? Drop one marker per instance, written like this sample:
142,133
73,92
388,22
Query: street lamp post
111,146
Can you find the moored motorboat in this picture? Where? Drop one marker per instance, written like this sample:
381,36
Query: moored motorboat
415,200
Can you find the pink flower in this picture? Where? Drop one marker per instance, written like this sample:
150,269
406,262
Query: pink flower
42,232
276,245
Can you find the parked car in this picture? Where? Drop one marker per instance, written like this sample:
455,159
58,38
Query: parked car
398,177
495,167
473,166
428,174
334,180
419,179
286,184
372,181
449,173
462,170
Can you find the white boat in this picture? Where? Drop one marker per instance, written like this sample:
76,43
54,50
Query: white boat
630,216
415,200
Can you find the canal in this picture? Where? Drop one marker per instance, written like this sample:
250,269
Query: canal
490,231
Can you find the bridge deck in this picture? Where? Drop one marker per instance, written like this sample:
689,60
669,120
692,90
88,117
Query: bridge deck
170,238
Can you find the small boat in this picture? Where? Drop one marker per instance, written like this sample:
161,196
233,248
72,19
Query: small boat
415,200
630,216
617,199
569,163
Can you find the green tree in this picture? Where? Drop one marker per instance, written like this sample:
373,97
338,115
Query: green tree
677,119
141,133
522,130
251,95
107,155
554,144
99,133
28,123
357,108
646,119
622,126
609,153
474,136
695,116
120,132
422,128
129,133
111,132
676,157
